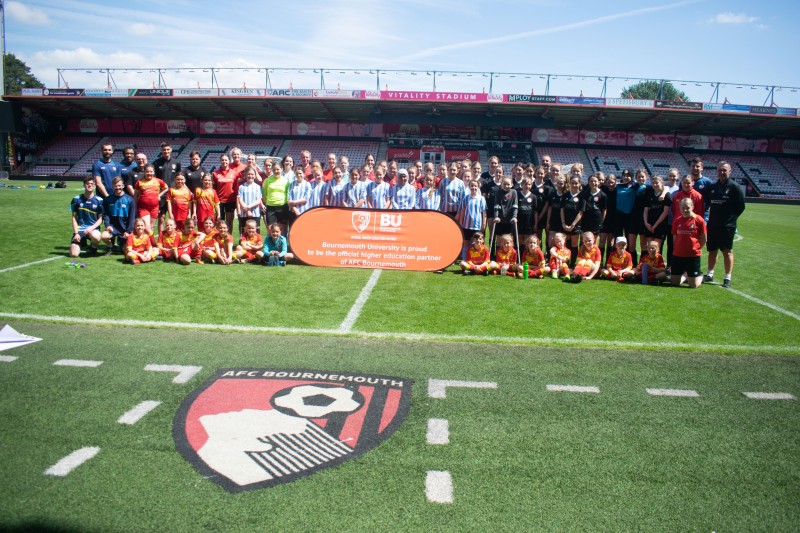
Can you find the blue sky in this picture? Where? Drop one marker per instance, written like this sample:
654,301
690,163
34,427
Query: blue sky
739,42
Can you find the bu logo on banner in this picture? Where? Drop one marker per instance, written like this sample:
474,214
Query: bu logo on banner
360,220
250,428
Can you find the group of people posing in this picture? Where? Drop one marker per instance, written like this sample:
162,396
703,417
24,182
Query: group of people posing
568,227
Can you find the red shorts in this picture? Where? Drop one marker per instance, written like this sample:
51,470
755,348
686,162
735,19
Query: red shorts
143,210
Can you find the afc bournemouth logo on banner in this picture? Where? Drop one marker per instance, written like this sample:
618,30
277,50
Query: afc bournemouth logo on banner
360,220
250,428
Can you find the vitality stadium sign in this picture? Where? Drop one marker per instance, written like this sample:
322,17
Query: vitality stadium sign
251,428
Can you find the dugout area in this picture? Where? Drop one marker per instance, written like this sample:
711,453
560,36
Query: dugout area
523,454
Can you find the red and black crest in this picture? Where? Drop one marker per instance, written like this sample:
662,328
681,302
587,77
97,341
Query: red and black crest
254,428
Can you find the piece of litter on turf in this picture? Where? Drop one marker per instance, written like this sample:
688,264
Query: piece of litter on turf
77,362
439,487
769,395
437,388
7,358
572,388
185,373
71,461
686,393
438,431
138,412
11,338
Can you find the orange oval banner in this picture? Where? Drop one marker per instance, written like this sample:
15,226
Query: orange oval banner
366,238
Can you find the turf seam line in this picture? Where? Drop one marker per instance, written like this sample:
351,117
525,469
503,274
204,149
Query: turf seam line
685,393
550,341
439,486
355,311
9,269
72,461
7,358
185,372
762,302
438,431
769,395
138,412
437,388
78,362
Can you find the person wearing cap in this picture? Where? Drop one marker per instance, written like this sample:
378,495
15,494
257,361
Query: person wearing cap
619,265
726,203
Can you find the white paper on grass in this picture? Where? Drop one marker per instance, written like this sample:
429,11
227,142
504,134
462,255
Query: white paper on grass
10,338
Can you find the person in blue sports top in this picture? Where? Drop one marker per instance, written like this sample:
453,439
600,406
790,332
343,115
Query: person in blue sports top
105,170
119,215
87,214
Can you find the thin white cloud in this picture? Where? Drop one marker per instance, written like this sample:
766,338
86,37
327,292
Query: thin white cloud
546,31
26,15
139,28
733,18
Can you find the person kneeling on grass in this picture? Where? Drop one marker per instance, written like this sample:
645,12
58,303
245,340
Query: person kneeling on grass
477,256
275,247
139,248
689,231
619,265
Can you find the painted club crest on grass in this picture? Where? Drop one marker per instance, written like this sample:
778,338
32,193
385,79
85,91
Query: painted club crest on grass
250,428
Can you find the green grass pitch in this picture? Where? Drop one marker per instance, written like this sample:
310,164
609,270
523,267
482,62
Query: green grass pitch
521,457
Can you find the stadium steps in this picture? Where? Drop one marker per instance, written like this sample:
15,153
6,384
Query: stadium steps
383,149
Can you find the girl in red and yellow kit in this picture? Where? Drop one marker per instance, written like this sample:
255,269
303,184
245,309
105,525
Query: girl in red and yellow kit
505,258
168,241
223,244
139,248
477,256
208,248
559,257
189,243
535,258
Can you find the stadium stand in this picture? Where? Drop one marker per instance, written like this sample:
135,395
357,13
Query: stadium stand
565,156
355,151
613,161
769,177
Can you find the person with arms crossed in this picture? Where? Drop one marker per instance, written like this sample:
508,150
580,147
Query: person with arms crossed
105,170
87,214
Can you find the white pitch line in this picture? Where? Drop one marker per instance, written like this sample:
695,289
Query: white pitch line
437,388
9,269
545,341
185,372
573,388
765,304
138,412
438,431
78,362
355,311
71,462
769,395
439,487
686,393
7,358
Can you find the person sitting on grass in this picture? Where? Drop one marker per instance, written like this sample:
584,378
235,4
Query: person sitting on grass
534,257
477,256
589,258
208,241
251,244
505,258
87,214
619,265
653,263
275,247
139,248
223,244
189,243
559,257
168,240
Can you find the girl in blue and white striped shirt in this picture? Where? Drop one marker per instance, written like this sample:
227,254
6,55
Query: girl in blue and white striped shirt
335,195
378,191
452,190
355,191
429,197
